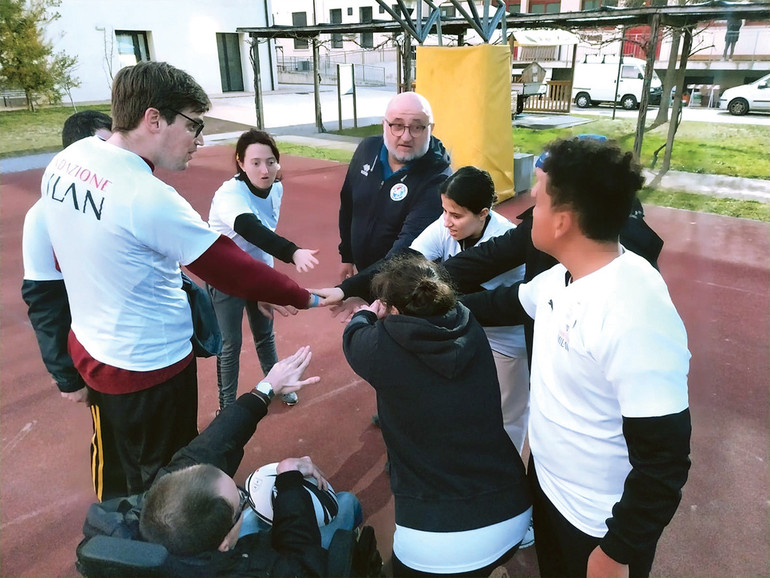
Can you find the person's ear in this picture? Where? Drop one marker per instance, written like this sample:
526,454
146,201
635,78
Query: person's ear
229,541
484,213
564,221
152,118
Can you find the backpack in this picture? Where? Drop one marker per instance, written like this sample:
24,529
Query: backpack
206,337
637,236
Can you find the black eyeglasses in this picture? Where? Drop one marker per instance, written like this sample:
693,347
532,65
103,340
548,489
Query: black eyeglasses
397,129
198,124
244,501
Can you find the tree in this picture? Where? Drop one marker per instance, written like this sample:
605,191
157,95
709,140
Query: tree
27,59
62,67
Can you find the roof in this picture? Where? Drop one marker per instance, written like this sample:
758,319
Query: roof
544,37
605,16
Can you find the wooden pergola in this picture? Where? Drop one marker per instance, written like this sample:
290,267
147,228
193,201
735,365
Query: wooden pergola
418,26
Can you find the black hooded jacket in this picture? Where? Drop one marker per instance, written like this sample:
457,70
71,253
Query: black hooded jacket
453,467
377,220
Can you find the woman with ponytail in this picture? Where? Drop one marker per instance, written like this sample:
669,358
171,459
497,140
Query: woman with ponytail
461,499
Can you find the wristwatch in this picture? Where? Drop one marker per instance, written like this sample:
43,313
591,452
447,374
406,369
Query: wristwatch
265,388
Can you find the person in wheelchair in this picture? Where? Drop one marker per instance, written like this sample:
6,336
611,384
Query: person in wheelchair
191,520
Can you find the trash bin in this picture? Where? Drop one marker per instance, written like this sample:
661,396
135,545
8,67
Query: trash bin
523,170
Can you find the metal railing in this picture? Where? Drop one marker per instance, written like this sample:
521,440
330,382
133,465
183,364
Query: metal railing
13,97
293,70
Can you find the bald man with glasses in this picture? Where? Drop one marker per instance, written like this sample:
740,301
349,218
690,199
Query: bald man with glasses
390,193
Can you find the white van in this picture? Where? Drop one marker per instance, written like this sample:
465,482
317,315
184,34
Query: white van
594,83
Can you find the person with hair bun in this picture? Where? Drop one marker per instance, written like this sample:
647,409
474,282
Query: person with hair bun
461,499
468,220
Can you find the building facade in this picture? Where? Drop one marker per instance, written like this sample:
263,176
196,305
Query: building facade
707,64
197,36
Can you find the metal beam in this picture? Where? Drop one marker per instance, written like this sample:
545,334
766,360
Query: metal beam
678,16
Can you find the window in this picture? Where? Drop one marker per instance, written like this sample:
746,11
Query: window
335,17
350,12
382,10
365,16
592,4
132,47
514,6
630,72
544,7
448,11
299,19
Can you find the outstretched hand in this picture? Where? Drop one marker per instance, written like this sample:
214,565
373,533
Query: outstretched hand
304,259
329,295
286,375
348,308
268,310
306,467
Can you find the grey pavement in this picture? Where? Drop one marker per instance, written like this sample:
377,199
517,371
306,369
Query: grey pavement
289,114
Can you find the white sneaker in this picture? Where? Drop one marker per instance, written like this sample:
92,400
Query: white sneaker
290,398
529,538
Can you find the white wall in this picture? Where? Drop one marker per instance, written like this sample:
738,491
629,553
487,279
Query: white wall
181,33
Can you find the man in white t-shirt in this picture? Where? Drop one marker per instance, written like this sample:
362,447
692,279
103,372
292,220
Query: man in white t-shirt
120,235
609,424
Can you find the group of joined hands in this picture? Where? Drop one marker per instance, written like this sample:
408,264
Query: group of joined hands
332,297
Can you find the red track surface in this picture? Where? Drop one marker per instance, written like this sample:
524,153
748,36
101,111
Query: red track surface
718,272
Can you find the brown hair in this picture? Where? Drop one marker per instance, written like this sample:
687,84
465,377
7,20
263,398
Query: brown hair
183,511
153,85
415,286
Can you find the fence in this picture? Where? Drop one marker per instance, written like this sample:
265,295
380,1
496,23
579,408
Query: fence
13,97
293,70
557,98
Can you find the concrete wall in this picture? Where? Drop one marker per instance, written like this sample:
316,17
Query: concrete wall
181,33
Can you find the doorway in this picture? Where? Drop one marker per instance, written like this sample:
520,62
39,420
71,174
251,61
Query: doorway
229,62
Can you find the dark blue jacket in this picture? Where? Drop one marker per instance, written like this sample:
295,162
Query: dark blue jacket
375,220
49,314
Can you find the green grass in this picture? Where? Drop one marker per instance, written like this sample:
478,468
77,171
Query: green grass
324,153
699,147
755,210
35,132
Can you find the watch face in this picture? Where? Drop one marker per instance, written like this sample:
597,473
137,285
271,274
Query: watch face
266,388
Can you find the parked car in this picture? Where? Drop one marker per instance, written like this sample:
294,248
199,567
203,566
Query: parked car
753,97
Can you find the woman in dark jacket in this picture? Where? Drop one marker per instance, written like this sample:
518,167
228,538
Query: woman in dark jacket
461,500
